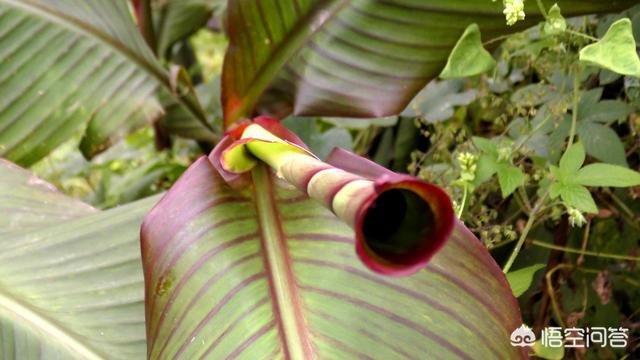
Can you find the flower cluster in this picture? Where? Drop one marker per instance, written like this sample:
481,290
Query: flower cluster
514,11
467,166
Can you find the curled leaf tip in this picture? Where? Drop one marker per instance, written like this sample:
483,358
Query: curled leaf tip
402,225
400,222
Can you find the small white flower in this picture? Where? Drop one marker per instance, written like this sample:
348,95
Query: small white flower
514,11
576,219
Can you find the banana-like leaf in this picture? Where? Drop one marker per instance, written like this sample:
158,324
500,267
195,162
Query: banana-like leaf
71,284
267,273
354,58
27,202
66,65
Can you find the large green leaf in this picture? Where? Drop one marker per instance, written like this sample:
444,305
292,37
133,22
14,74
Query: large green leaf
27,202
73,64
71,282
268,273
358,58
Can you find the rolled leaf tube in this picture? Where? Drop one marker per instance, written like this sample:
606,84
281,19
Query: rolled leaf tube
400,222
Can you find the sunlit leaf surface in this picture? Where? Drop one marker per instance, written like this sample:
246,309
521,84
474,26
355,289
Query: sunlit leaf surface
71,284
70,65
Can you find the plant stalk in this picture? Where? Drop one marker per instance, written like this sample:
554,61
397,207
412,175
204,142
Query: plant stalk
585,252
525,233
576,102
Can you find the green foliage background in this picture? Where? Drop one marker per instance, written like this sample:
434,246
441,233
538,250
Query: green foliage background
494,140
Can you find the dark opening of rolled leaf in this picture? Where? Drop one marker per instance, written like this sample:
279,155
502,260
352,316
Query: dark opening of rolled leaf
397,225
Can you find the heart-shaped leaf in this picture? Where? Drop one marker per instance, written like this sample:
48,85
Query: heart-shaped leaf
468,57
268,272
71,284
364,58
510,178
616,51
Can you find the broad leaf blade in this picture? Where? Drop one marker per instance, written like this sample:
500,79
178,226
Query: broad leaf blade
71,279
607,175
602,142
222,268
579,197
70,65
27,202
616,51
362,58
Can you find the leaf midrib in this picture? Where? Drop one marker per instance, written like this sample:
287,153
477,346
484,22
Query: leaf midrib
16,309
285,298
67,21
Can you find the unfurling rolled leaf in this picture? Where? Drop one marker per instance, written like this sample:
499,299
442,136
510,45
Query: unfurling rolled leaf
400,222
264,271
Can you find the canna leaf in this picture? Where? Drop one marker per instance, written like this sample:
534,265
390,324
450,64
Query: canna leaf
73,65
266,272
71,284
363,58
27,202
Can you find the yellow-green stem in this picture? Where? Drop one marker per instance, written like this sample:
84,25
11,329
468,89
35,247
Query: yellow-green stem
551,292
576,102
585,252
525,233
